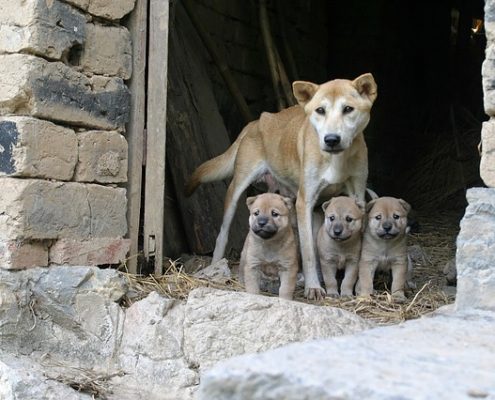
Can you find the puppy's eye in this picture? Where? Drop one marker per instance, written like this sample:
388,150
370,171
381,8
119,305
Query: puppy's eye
348,219
256,213
396,216
348,109
320,110
331,218
275,214
378,217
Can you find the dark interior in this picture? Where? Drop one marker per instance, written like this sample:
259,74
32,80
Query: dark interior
426,57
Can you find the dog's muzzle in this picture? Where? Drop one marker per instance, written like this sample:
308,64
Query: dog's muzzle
265,232
332,143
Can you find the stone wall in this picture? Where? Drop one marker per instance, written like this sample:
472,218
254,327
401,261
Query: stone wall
475,256
63,109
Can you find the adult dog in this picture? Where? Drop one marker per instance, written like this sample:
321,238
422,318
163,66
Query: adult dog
314,149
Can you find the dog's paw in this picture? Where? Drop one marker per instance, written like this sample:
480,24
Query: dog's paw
314,293
398,298
332,293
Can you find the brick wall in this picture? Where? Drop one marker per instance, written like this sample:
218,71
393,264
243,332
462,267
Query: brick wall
63,110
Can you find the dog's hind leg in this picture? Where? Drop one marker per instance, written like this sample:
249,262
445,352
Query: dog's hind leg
241,180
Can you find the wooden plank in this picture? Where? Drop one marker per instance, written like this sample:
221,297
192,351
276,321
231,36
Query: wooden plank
137,85
156,132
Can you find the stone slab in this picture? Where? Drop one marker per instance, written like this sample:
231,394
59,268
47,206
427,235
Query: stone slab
15,254
487,163
450,356
112,10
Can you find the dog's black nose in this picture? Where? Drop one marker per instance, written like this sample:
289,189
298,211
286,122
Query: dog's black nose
262,221
387,226
332,139
337,229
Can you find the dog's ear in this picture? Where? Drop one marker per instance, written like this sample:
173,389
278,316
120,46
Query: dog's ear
288,202
325,205
304,91
405,205
370,205
250,201
366,86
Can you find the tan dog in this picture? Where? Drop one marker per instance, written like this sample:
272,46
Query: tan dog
270,246
339,243
385,245
314,149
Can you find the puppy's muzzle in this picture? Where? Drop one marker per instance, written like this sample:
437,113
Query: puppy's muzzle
263,229
336,233
386,231
332,142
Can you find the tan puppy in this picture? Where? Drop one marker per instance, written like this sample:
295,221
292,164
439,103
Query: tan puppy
385,245
339,243
270,246
315,149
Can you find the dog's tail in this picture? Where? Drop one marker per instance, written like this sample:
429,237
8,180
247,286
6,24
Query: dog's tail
216,169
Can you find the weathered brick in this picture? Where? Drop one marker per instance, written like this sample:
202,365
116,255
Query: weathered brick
16,254
46,28
488,80
107,51
102,157
114,9
487,164
38,209
94,251
33,86
31,147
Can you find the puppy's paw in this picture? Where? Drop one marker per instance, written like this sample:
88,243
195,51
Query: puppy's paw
332,293
314,293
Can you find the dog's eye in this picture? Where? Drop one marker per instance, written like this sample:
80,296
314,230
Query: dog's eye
275,214
256,213
378,217
348,109
348,219
320,110
331,218
396,216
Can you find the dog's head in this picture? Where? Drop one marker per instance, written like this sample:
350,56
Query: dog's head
269,213
343,218
338,110
387,217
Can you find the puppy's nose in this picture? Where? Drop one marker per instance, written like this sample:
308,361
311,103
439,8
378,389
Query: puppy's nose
387,226
332,139
337,229
262,221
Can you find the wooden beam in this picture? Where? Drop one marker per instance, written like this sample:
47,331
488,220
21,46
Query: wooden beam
156,132
138,28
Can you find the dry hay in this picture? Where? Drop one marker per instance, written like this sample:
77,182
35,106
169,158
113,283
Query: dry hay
435,245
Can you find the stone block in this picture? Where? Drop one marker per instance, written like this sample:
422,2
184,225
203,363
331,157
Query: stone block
46,28
94,251
33,86
31,147
487,164
488,80
16,254
114,9
38,209
107,51
102,157
475,258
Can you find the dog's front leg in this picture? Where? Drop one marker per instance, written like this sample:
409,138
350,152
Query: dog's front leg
350,278
288,279
399,272
304,208
367,270
355,187
252,277
329,270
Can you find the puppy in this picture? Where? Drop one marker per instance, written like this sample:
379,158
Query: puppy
271,246
385,245
339,243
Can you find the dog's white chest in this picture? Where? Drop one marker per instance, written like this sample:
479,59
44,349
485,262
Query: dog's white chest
335,172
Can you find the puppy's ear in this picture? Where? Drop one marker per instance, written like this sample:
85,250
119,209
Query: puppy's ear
250,201
370,205
288,202
405,205
366,86
304,91
325,205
